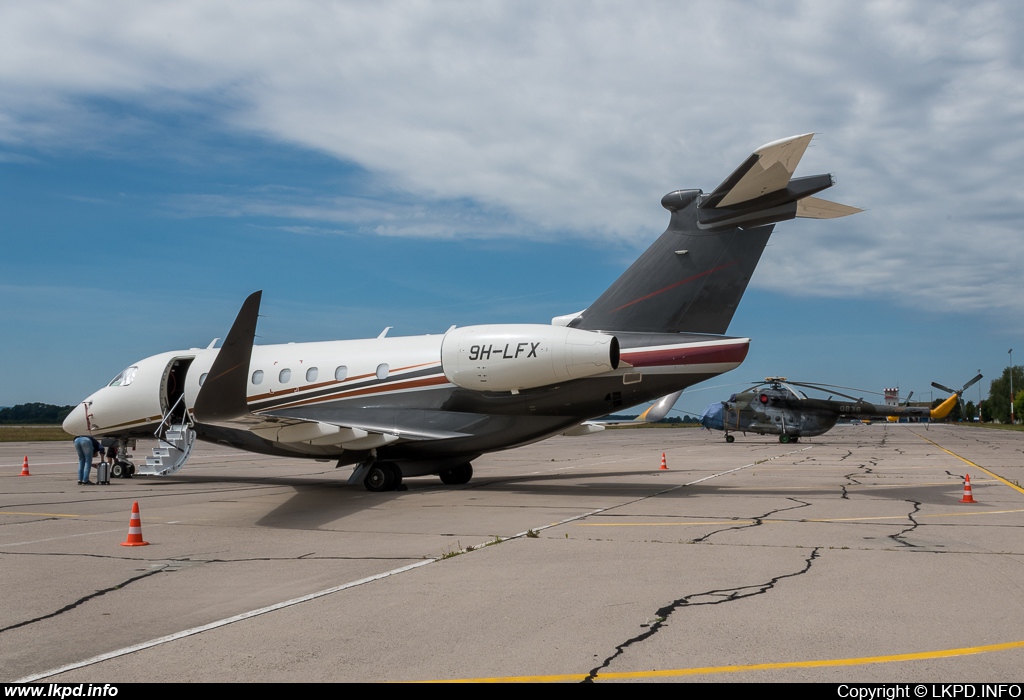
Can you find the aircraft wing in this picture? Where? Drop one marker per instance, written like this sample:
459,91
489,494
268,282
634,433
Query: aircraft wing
362,428
222,402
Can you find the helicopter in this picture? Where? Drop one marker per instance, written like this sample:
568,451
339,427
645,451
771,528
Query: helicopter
777,406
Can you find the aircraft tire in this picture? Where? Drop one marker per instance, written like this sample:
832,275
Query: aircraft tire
784,439
396,474
457,476
379,478
118,470
730,438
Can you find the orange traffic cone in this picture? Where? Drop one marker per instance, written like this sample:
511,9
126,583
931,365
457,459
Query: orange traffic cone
134,529
664,465
24,467
968,497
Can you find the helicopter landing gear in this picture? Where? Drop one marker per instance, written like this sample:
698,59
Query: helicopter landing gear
730,438
784,439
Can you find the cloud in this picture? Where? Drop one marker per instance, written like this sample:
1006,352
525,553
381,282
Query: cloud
522,118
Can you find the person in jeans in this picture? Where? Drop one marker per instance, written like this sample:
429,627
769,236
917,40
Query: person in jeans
86,446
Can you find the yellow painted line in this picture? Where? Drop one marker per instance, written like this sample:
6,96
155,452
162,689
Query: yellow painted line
978,512
712,670
917,515
807,520
46,515
712,522
976,466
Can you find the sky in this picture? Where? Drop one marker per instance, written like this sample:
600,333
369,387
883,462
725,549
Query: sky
423,164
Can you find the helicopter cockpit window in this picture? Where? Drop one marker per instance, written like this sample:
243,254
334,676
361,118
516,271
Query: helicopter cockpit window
125,378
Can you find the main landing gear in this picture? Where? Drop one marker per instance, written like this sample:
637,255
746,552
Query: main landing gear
383,476
789,438
457,475
387,476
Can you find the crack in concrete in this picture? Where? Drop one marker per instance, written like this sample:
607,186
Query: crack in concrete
713,597
898,537
758,520
80,601
850,477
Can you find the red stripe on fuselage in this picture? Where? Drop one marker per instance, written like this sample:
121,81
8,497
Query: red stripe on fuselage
687,355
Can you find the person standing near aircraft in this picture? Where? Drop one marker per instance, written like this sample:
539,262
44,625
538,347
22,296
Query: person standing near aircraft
87,447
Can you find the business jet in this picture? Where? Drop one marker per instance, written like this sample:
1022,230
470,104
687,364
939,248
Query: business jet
396,407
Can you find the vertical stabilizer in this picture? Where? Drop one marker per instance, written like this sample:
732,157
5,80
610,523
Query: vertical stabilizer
693,277
689,280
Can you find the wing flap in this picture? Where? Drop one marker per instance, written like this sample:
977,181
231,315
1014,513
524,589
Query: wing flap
348,427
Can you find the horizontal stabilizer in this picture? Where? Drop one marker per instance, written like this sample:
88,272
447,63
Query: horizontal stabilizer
768,169
815,208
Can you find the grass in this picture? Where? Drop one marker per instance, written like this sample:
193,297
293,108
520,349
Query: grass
33,433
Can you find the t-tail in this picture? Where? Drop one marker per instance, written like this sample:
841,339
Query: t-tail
693,277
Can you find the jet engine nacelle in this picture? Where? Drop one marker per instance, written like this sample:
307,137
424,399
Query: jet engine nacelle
524,356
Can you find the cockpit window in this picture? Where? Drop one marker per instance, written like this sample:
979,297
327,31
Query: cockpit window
125,378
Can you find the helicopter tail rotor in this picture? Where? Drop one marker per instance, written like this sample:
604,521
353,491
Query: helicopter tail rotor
943,409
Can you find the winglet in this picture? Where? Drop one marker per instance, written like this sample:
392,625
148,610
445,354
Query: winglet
223,394
660,408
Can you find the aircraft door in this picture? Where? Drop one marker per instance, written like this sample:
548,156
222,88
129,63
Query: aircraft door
172,388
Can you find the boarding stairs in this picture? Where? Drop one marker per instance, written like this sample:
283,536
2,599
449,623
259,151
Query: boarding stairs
176,439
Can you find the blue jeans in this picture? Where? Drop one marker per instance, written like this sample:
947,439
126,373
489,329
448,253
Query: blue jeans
83,446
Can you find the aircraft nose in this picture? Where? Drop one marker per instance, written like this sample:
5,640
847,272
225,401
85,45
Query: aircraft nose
712,417
75,423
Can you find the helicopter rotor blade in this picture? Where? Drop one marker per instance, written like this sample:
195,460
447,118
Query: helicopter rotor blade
944,388
971,383
822,387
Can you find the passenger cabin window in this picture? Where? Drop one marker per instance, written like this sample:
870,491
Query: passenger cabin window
382,370
341,373
257,377
285,376
125,378
311,374
202,377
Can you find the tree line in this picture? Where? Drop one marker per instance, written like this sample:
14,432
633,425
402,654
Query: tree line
34,414
997,406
